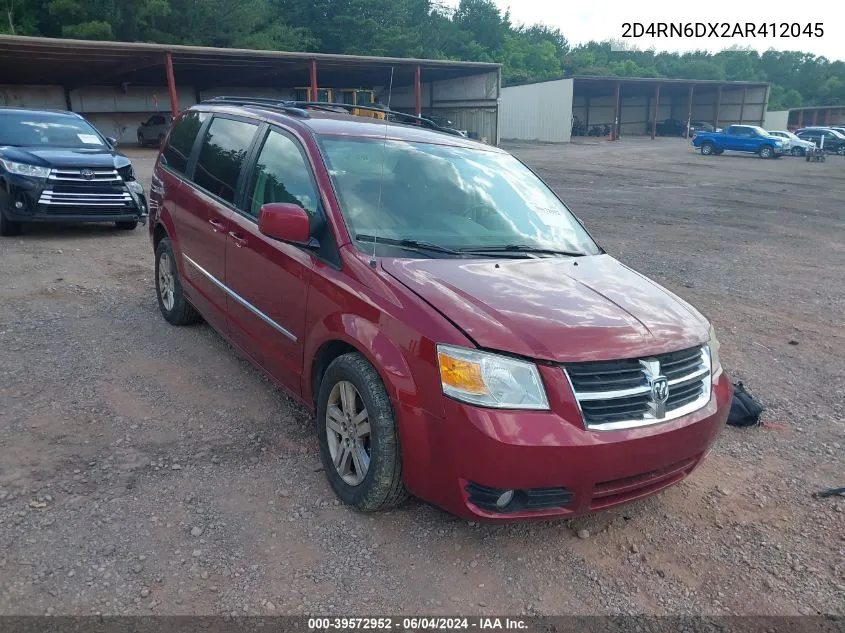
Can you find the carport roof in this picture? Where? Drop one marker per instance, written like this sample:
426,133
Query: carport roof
76,63
596,85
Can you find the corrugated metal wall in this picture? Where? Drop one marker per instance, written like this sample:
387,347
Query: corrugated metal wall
471,103
481,122
539,112
777,120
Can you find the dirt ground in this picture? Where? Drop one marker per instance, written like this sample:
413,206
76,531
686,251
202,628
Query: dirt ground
149,469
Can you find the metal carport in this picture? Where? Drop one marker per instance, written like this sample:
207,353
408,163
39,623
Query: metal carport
113,83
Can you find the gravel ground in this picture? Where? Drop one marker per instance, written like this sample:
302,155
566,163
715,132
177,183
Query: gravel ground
147,469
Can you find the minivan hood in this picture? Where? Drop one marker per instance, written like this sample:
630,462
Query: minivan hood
556,309
94,158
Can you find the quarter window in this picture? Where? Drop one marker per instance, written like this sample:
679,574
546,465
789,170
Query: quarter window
221,157
178,149
281,175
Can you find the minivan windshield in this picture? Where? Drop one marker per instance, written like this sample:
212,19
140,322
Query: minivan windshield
452,197
46,129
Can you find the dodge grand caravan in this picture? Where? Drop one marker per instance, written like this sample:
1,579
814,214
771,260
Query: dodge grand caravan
455,329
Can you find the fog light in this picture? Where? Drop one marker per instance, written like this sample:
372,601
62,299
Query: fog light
19,205
504,499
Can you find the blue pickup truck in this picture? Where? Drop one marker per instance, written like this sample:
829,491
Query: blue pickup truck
741,138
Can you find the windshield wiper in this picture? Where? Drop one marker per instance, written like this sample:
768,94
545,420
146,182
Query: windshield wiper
405,243
522,248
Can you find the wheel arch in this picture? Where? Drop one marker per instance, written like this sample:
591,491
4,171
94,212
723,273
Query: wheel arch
357,334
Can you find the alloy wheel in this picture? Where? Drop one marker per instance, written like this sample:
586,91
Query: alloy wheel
348,433
166,282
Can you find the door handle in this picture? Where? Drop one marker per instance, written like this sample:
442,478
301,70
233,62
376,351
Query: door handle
217,226
239,240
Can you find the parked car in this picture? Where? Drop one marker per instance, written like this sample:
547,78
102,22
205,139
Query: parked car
741,138
445,124
153,130
834,142
670,127
457,332
702,126
798,147
56,167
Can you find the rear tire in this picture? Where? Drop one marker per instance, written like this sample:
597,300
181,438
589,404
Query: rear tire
707,149
126,225
8,228
841,151
171,299
378,485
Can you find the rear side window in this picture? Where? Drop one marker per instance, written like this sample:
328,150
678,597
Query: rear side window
178,149
222,155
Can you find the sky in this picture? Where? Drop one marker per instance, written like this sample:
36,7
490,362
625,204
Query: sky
603,19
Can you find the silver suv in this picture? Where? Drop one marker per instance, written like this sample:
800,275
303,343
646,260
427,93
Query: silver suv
153,130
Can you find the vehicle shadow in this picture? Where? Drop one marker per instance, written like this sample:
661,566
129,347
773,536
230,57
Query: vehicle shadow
60,231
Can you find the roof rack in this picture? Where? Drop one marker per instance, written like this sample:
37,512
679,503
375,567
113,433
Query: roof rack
274,104
393,115
300,108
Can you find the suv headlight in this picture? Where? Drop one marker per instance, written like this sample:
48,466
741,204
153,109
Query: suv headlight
713,353
490,380
127,173
23,169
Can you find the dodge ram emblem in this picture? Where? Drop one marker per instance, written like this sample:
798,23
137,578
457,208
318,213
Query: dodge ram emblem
87,174
659,385
660,389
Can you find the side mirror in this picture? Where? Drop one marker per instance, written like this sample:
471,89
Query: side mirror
286,222
111,141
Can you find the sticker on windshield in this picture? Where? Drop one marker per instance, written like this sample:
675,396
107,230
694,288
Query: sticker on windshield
89,139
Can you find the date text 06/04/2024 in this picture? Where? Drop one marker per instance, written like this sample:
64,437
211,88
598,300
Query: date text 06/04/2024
723,29
416,624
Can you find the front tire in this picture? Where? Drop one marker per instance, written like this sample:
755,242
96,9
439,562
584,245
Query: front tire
359,441
141,142
8,228
707,149
171,299
766,151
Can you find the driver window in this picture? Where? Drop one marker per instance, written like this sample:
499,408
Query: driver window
281,175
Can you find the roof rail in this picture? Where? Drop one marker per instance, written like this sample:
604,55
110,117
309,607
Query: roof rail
300,109
403,117
273,104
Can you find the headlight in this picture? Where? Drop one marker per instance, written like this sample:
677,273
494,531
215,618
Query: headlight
24,169
713,353
490,380
127,173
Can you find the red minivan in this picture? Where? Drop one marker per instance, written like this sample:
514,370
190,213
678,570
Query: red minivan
455,329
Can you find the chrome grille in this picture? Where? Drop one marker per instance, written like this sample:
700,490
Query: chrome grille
626,393
85,191
83,175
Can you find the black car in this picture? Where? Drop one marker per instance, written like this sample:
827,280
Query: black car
834,142
56,167
671,127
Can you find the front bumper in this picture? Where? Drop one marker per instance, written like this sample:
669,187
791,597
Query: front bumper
25,199
463,461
